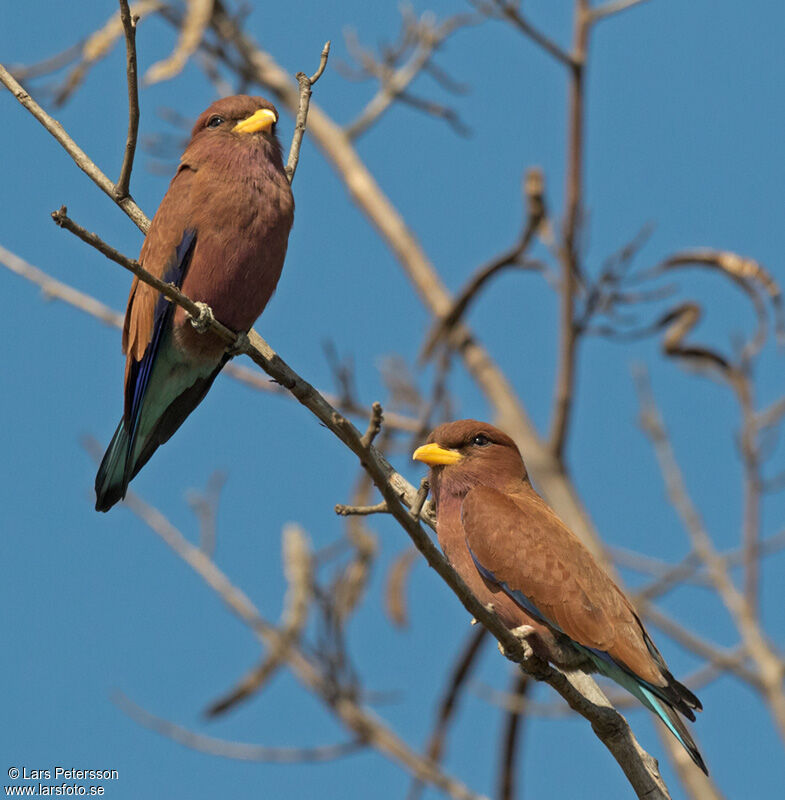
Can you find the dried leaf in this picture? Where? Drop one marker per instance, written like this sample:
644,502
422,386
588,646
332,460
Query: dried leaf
395,594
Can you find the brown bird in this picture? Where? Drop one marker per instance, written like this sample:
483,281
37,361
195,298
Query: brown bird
220,234
513,551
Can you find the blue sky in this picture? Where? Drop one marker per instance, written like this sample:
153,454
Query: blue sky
684,131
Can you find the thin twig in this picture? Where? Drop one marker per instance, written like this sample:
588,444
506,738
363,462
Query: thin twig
534,192
169,290
129,26
205,506
48,65
669,576
394,82
305,83
564,390
510,739
298,568
509,10
352,582
54,289
238,750
613,7
361,511
419,500
456,683
374,425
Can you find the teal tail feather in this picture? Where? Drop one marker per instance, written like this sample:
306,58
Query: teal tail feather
651,697
159,415
111,482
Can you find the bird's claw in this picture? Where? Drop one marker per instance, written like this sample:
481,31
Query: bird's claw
205,318
522,634
239,345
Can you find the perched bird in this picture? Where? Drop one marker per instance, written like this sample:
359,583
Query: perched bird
514,552
220,234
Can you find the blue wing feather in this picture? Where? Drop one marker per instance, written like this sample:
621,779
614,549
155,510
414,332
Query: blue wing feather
141,372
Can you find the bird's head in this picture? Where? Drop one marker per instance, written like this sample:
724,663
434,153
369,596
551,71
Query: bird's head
469,453
236,125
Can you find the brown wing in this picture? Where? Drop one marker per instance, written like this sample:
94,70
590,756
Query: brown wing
523,544
158,252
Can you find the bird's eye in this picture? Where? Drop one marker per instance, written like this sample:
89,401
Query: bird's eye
481,440
215,121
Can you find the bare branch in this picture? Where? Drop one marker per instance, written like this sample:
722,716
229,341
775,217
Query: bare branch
688,570
582,694
361,511
746,273
419,500
374,425
510,738
48,65
534,192
196,20
769,665
196,310
611,8
54,289
298,568
305,83
507,9
721,658
364,190
205,506
80,158
368,728
564,390
456,683
348,589
237,750
424,38
87,53
129,26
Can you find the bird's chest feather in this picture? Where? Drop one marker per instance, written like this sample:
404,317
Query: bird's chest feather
452,540
242,229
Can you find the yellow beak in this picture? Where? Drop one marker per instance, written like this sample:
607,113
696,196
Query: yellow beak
260,120
433,455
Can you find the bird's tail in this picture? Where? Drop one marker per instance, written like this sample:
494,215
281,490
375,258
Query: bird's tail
673,721
160,415
651,697
111,482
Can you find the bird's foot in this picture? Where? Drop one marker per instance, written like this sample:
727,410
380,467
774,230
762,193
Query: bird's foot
522,633
205,318
239,346
565,656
